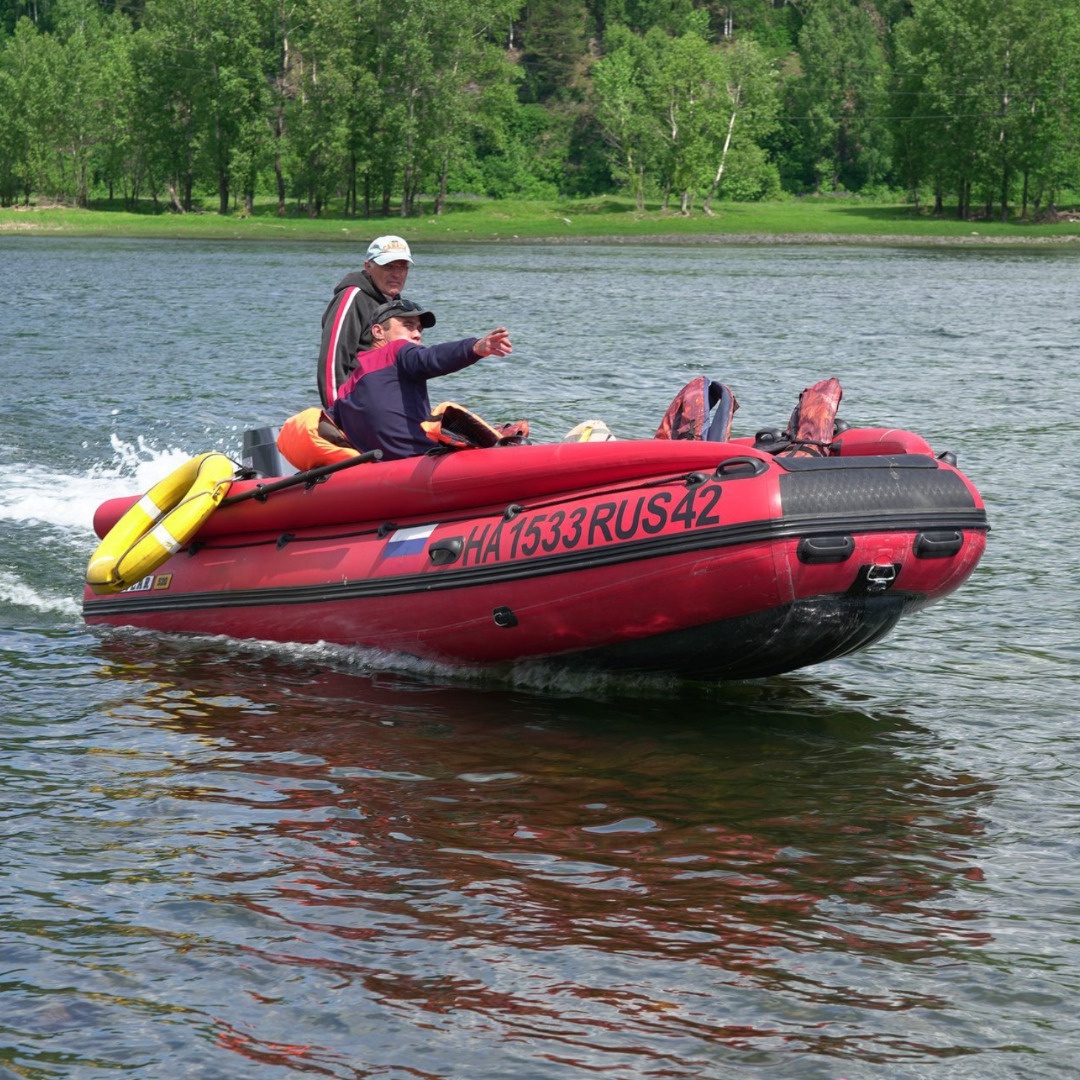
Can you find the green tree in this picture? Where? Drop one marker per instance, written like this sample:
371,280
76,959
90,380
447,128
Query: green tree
169,71
992,95
840,96
474,84
115,105
233,97
553,46
622,109
773,26
640,16
95,87
432,62
37,83
327,91
283,22
26,67
39,12
202,93
1048,151
938,70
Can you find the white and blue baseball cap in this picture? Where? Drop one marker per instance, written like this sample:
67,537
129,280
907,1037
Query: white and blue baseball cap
388,249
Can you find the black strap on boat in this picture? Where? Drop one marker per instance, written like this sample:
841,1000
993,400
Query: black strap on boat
309,478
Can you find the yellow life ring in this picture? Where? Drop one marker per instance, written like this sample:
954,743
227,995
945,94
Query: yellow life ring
160,523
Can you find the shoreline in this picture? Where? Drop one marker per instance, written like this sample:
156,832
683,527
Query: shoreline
754,239
594,222
776,239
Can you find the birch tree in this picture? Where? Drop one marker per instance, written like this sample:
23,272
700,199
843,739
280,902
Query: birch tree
752,106
686,93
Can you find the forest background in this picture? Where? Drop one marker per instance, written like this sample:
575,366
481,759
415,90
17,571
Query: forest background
361,108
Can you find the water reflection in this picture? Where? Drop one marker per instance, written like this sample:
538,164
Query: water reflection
612,883
226,863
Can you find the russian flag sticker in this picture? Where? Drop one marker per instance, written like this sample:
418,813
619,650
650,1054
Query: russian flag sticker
408,541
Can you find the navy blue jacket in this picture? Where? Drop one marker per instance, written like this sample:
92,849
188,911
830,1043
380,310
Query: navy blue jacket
384,401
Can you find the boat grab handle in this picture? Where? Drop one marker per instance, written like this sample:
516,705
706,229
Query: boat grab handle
736,467
309,478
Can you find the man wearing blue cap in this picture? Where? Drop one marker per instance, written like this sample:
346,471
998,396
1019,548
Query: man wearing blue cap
347,320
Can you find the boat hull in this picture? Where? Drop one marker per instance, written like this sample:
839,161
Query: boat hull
711,561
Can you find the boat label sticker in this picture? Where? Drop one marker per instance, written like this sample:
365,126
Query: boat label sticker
408,541
151,581
633,518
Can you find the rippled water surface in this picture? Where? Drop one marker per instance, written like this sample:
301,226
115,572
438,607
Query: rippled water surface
233,860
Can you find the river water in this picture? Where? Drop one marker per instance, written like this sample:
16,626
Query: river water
237,860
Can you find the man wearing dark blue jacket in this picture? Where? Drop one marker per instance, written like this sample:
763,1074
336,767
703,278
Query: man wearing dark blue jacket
384,402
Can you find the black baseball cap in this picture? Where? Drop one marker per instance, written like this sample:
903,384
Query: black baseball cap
404,309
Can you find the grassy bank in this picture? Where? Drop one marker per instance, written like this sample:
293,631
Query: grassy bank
603,219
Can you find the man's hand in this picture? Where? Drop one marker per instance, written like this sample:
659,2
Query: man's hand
494,343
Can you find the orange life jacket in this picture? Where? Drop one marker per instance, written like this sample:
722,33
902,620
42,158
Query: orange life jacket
310,438
451,424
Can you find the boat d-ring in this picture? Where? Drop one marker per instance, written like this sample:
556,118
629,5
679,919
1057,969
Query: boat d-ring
874,578
880,576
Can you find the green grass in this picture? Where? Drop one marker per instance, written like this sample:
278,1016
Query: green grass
606,218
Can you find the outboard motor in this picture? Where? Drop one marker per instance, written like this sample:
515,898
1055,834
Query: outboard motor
260,453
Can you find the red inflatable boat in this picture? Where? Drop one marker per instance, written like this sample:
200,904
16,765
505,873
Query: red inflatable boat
711,560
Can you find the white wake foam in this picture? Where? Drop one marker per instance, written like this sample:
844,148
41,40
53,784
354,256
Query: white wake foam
15,591
47,521
36,494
